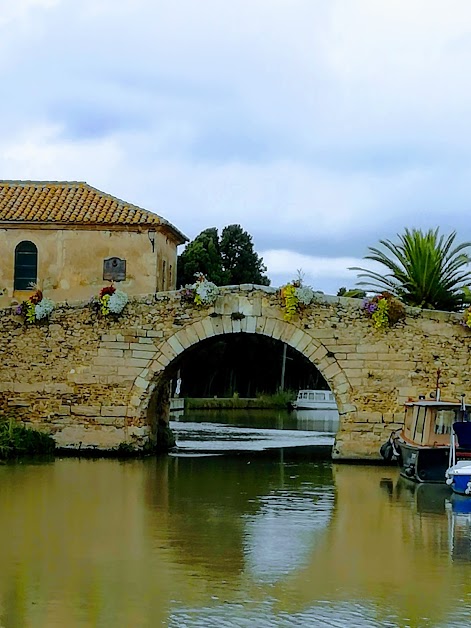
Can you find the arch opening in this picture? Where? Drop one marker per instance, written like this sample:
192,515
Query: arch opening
248,368
244,365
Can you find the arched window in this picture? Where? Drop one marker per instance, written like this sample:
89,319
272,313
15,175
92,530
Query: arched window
26,265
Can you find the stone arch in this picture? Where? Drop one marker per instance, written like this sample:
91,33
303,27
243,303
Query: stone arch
211,326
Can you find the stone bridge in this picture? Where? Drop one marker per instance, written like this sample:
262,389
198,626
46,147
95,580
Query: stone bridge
97,382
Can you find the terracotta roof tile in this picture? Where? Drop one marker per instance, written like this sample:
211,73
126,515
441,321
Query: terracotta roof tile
72,202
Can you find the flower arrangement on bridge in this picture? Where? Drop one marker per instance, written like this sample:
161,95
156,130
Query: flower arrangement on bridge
294,297
202,292
466,320
37,308
384,310
110,301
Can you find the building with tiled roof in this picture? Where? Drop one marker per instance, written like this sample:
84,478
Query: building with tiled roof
71,239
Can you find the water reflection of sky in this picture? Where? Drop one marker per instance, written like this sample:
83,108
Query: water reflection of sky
281,536
265,615
220,437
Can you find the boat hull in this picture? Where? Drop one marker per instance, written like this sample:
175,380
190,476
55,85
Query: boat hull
424,464
306,405
461,484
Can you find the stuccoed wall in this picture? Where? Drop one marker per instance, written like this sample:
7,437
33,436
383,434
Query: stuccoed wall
96,382
70,261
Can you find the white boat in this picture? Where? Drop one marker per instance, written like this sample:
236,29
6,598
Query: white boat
315,400
458,474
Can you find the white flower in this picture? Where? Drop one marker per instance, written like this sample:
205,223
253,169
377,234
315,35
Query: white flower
207,291
117,302
43,308
304,294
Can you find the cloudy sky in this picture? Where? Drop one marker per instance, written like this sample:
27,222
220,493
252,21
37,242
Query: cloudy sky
320,126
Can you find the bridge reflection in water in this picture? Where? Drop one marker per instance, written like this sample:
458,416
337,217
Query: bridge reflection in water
240,539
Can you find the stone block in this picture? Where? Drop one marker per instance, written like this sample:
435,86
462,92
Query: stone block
28,388
140,362
141,383
152,333
105,361
138,346
251,324
192,335
111,353
82,410
175,344
236,327
113,411
110,420
207,324
227,324
331,371
114,345
218,326
199,330
183,339
143,355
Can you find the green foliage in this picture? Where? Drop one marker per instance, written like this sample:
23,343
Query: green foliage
240,262
224,261
16,440
295,296
165,437
384,310
290,301
425,270
467,317
280,400
353,293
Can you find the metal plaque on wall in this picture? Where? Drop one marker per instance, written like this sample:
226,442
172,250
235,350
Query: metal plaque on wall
114,269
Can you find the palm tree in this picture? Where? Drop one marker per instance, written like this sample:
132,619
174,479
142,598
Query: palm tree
425,270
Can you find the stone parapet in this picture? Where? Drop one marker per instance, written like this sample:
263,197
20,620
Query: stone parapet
95,382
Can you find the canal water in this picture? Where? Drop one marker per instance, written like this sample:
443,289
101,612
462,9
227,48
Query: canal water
229,535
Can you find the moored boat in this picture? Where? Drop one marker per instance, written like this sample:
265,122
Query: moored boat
458,474
422,446
315,400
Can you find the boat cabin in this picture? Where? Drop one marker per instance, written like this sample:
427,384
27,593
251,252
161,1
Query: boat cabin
430,423
316,396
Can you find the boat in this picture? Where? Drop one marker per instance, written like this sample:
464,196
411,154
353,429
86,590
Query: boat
458,474
422,445
315,400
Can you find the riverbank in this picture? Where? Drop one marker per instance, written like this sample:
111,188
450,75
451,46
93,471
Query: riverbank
264,402
17,441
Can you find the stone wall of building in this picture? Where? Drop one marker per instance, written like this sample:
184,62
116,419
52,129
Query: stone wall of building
70,260
97,382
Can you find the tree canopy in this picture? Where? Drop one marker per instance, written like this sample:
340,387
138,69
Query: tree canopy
227,260
425,270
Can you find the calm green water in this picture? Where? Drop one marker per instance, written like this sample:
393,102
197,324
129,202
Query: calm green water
248,539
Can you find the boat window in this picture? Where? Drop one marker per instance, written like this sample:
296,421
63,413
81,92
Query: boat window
311,395
319,396
444,419
408,418
305,395
419,426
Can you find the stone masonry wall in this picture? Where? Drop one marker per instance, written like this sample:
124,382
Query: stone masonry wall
95,382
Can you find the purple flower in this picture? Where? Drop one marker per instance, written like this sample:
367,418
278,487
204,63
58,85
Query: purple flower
370,306
19,310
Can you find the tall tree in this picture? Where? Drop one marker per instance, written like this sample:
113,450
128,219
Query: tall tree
228,260
239,260
425,270
202,255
